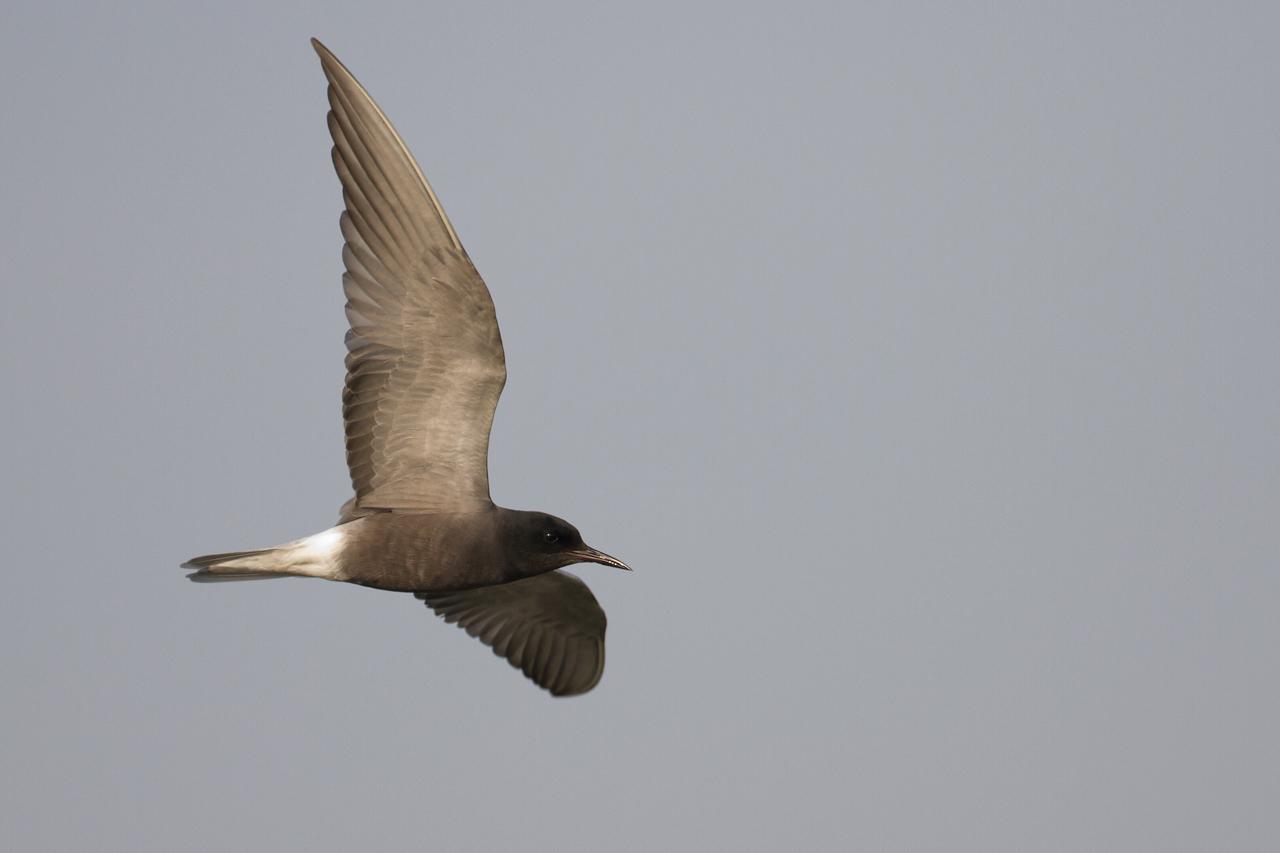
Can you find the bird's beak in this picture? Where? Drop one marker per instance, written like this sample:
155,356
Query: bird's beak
591,555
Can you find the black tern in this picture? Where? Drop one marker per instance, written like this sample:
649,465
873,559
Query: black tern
425,367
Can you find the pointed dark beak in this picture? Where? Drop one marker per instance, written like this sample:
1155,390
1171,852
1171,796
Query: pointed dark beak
591,555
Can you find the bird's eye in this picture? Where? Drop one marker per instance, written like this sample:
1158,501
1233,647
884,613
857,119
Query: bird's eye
551,536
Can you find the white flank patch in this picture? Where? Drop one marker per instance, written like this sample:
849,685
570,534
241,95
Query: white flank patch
320,553
324,544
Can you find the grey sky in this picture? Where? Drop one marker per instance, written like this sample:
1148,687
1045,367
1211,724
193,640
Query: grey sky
923,360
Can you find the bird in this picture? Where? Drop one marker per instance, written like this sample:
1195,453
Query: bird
425,367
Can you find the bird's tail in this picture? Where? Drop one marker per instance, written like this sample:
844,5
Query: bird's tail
238,566
313,557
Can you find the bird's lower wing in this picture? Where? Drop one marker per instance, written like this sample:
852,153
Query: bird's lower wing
549,626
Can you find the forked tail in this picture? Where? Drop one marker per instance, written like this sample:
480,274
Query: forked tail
313,557
238,566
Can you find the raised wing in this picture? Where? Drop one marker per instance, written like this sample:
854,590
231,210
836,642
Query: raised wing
425,364
549,626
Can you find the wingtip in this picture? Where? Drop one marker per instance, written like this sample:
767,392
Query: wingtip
332,66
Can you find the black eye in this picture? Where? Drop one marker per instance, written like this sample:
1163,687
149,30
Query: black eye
551,536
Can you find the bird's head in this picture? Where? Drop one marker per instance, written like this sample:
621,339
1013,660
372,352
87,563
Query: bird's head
537,542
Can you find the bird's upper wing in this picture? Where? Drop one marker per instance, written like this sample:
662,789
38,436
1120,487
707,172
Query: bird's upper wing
425,363
549,626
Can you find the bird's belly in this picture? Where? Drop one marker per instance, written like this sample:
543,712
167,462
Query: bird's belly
426,577
406,553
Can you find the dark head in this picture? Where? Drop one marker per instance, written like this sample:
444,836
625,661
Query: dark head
536,542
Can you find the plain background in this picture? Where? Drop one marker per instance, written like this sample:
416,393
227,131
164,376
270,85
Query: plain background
922,358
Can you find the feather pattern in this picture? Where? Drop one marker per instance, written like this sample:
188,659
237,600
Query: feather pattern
425,364
549,626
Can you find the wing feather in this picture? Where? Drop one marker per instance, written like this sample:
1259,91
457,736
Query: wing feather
425,364
550,627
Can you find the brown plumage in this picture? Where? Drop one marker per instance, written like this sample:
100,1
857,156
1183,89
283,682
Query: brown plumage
425,368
